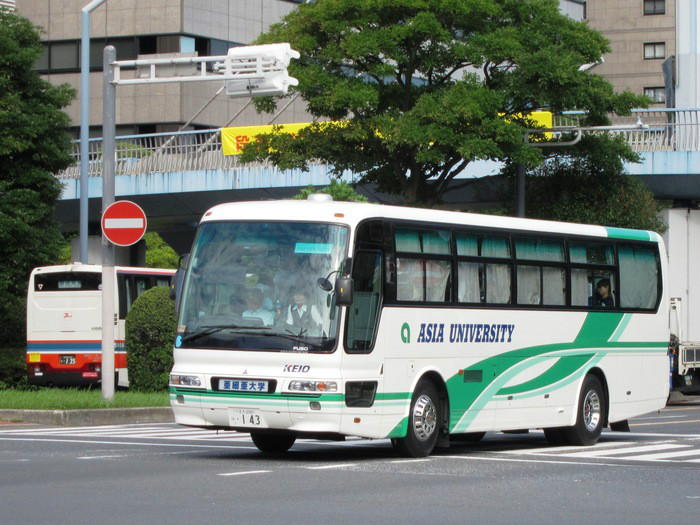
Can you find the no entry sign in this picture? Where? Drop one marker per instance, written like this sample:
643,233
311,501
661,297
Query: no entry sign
123,223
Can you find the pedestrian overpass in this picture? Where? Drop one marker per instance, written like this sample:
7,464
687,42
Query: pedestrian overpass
175,177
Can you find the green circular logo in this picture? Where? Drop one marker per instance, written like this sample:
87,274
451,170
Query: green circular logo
406,333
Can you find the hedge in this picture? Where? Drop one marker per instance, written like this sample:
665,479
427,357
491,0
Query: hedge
150,332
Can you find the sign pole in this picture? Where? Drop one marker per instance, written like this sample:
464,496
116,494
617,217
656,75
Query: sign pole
108,166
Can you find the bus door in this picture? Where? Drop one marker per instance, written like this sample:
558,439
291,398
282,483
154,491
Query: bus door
363,359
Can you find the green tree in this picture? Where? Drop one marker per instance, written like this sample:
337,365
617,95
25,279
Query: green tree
424,87
150,332
588,184
340,191
33,145
159,254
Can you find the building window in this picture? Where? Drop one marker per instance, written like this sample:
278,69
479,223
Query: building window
657,94
63,55
654,7
654,50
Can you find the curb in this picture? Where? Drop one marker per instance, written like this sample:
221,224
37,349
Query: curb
81,418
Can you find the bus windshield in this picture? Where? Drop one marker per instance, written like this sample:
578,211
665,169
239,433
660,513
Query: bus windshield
255,286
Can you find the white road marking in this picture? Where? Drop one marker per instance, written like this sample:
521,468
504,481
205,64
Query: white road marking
667,455
329,467
624,450
547,450
659,417
409,461
529,460
137,443
246,472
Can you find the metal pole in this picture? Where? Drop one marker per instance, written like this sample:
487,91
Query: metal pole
520,190
85,125
108,165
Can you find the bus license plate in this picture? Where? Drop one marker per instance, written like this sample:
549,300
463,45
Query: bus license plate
67,360
246,417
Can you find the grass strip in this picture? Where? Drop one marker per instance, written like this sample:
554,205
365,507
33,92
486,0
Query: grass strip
78,399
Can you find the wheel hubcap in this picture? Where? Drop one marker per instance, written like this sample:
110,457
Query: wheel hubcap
591,410
424,418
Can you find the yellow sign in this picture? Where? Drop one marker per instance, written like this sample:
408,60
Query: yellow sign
34,358
233,139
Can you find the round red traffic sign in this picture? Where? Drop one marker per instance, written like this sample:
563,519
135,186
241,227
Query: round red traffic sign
123,223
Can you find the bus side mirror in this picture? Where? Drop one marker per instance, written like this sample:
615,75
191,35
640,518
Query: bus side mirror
343,291
176,284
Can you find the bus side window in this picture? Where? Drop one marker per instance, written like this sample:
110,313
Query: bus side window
142,284
362,313
121,291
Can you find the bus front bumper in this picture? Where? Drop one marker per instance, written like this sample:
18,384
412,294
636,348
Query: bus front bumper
324,414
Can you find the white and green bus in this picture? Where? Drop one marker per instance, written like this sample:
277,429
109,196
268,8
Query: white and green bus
326,319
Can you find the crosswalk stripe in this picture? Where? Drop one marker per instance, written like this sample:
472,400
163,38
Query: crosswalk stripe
667,455
625,450
547,450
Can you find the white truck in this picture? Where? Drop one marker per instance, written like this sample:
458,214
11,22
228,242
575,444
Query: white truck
683,244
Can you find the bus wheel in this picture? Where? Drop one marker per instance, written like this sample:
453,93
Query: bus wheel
423,422
591,414
273,443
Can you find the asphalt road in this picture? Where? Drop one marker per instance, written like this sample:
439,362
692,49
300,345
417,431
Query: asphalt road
162,473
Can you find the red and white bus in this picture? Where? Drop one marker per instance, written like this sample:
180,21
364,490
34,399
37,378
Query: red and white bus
64,321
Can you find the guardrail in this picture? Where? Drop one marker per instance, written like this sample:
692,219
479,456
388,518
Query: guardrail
650,129
645,130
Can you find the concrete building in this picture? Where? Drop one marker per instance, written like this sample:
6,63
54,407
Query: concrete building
157,27
655,47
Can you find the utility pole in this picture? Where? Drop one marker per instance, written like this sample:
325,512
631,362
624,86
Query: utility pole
108,165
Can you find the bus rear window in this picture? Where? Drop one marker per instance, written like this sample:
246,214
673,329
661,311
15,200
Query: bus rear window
67,281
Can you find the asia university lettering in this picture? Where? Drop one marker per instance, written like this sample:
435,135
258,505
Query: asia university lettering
465,333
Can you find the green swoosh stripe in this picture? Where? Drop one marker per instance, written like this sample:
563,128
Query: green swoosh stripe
564,367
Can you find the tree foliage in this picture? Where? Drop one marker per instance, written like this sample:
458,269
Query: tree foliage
150,332
588,184
33,145
424,87
159,254
339,190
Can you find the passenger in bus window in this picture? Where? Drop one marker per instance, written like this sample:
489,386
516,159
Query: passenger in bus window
255,308
301,314
603,297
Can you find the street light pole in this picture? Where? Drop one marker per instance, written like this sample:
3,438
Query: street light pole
108,193
85,125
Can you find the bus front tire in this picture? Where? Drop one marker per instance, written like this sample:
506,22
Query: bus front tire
273,443
423,422
591,414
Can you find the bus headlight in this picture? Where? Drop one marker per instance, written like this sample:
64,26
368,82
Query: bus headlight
312,386
186,380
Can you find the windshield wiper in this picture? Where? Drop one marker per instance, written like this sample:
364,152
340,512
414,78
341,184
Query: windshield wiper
210,329
294,338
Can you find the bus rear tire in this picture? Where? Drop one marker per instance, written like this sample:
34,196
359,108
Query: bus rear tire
423,422
591,414
273,443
